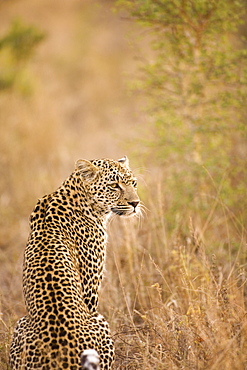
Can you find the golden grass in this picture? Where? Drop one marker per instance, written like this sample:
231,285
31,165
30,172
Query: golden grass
173,305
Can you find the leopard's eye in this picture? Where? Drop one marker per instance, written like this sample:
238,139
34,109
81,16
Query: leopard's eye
114,185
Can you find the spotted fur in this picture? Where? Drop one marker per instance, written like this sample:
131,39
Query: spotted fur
63,268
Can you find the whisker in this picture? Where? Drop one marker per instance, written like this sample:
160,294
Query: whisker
111,218
143,208
140,218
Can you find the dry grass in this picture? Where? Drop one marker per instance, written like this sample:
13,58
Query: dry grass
173,300
172,305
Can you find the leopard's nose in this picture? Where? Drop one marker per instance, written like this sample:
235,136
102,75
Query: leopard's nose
134,204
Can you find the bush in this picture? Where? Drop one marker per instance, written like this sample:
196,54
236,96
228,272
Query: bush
196,85
16,48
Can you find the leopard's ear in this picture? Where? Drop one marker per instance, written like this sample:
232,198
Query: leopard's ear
124,161
87,170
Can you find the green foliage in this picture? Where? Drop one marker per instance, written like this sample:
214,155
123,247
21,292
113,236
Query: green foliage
197,85
16,48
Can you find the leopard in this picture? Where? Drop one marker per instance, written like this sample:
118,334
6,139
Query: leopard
64,263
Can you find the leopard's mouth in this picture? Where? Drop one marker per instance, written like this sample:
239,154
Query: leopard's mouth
124,210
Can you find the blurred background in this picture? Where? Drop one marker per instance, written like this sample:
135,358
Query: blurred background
165,83
63,97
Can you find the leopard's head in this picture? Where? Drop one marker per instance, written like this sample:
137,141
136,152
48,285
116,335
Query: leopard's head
110,184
